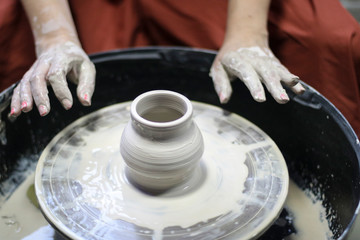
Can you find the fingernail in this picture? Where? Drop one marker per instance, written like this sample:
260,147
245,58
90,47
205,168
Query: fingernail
284,96
87,100
67,104
12,117
23,105
223,98
260,97
43,110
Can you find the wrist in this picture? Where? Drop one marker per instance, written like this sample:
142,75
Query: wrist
49,40
247,22
247,38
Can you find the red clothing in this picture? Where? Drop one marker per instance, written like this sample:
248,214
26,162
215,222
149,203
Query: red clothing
317,40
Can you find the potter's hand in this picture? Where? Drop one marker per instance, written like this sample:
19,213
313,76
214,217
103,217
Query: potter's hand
59,57
54,65
254,66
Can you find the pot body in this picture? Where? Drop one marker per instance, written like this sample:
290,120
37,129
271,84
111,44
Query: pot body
161,145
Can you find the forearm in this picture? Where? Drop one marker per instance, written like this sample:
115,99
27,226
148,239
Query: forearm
247,21
51,22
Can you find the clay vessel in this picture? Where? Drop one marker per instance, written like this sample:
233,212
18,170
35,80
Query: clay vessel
161,145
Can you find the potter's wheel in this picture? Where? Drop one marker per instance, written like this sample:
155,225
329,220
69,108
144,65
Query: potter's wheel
238,191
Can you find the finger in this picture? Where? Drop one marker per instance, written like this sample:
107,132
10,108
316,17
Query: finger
272,80
298,89
275,88
57,79
15,102
245,72
221,82
86,85
291,80
286,76
26,99
39,88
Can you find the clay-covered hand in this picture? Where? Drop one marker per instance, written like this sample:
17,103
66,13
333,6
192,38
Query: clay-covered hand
60,57
254,66
54,65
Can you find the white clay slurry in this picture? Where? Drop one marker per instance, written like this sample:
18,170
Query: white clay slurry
309,215
238,190
161,144
160,211
17,215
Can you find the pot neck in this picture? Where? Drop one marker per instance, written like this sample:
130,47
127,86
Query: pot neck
162,130
161,113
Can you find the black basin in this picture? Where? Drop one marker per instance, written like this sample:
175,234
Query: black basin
321,149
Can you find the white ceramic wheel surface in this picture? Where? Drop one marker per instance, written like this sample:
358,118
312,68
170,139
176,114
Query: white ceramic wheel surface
237,192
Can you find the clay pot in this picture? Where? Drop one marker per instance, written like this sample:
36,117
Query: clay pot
161,145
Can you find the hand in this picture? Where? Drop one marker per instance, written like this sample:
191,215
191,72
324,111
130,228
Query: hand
252,65
54,65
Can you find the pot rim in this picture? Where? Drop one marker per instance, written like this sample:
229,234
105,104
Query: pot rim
162,94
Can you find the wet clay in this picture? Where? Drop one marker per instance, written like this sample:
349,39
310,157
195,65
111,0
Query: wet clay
309,215
17,215
162,114
161,145
238,190
81,182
